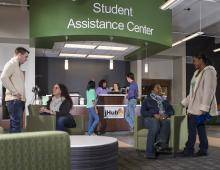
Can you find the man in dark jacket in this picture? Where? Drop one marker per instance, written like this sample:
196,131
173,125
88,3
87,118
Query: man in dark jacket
156,112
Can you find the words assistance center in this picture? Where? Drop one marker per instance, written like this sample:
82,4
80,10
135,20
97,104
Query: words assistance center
114,25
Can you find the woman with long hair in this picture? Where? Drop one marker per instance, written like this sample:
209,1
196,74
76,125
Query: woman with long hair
91,106
60,105
102,89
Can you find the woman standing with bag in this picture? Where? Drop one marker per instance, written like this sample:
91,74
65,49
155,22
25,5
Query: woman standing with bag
201,104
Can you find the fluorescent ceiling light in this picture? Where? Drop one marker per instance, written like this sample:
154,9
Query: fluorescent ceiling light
146,67
103,47
170,4
82,46
111,65
101,56
187,38
66,64
72,55
210,0
216,50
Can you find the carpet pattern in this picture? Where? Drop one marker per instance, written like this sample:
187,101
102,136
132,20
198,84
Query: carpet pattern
129,159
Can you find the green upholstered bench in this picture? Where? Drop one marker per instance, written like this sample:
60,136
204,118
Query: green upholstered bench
178,136
1,130
47,150
37,122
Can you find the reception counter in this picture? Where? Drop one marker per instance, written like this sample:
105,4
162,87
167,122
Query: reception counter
111,110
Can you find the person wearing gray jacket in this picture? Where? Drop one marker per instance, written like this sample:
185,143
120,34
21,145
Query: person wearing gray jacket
201,104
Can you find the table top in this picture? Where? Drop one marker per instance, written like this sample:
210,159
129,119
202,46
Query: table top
90,141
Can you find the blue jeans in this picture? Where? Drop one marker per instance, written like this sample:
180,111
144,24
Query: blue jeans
193,128
93,120
15,109
130,112
64,122
159,131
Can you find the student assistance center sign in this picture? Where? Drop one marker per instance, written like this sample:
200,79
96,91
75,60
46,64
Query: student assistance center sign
100,8
133,19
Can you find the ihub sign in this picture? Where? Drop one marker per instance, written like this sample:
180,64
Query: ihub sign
113,112
111,10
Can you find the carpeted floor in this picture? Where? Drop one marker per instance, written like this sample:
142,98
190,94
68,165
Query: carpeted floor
129,159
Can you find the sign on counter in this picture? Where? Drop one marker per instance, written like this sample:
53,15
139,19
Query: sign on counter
114,112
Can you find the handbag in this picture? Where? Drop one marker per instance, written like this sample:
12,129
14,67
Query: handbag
201,119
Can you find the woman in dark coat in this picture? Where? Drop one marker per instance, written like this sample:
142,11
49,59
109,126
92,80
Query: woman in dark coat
156,112
60,105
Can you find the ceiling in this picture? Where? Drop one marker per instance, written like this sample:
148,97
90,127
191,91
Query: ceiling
59,48
15,1
187,19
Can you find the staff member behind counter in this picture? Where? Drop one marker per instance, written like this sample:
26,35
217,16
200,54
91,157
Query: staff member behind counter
102,89
116,89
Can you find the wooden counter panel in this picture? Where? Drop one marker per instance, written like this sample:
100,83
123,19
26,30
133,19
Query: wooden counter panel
109,125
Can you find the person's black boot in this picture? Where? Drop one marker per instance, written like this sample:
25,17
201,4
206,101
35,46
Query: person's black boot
201,153
186,153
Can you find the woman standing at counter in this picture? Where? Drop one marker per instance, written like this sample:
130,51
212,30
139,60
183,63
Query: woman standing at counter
102,89
91,104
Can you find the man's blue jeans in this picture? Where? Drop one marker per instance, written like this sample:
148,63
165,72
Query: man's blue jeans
15,109
93,120
130,112
159,131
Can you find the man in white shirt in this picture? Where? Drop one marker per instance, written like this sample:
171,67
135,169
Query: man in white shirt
13,80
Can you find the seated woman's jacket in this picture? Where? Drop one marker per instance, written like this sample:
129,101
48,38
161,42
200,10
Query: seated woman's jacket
150,107
64,109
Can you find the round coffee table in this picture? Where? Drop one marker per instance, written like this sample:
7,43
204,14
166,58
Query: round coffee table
94,152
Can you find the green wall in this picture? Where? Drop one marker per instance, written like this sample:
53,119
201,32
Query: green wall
135,22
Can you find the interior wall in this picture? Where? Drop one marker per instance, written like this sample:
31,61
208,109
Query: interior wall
14,23
178,82
136,69
158,68
79,73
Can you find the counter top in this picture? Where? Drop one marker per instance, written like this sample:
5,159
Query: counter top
123,95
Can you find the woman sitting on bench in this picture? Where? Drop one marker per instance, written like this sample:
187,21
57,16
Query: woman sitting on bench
60,105
156,112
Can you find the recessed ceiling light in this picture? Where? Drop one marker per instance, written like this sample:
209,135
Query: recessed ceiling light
72,55
82,46
113,48
100,56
